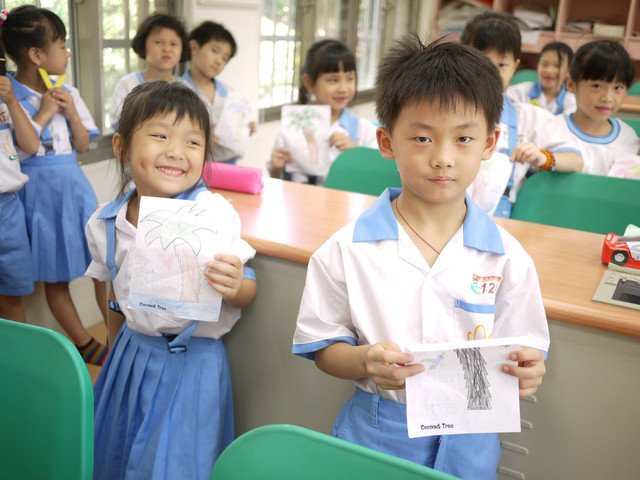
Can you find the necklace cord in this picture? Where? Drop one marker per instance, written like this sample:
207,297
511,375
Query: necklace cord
411,228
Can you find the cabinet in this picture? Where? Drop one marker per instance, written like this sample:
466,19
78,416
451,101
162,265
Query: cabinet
615,12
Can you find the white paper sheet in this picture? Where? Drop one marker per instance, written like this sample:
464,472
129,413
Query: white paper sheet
174,242
232,128
306,131
463,389
490,183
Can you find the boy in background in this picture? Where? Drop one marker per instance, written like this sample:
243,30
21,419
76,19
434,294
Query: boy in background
401,273
532,138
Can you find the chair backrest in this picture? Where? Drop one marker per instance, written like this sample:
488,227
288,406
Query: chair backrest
634,89
46,406
591,203
362,170
524,75
289,452
633,123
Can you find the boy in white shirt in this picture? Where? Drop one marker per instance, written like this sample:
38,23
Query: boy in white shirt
532,138
401,273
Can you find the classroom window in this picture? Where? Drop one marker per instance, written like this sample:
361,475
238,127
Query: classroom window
289,27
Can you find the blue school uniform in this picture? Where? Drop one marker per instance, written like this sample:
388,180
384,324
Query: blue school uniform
163,403
58,199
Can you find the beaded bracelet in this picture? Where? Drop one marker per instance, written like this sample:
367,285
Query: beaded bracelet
550,163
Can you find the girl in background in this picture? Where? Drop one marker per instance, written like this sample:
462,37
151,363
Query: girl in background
161,40
550,90
328,78
601,73
163,406
58,198
16,273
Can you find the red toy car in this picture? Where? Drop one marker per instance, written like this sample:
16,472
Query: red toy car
621,250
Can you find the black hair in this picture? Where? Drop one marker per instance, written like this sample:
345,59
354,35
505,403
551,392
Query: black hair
325,56
207,31
561,49
602,60
493,31
151,99
156,22
30,27
446,74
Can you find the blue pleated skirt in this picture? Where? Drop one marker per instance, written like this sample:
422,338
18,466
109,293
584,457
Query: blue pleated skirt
161,415
58,201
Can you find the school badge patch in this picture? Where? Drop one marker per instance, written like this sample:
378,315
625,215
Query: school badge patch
486,286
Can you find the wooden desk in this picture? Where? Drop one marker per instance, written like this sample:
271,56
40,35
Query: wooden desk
571,428
290,221
630,104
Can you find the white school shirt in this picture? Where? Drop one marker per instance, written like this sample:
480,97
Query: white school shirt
366,138
369,283
11,177
531,92
601,152
57,126
150,323
124,86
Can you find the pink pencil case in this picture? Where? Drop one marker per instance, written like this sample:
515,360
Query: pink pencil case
232,177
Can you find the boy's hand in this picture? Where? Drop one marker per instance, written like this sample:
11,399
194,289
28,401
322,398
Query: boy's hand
224,275
6,92
529,371
527,152
341,141
65,102
385,365
279,158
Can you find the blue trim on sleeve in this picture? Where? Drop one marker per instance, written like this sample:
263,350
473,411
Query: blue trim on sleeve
475,307
249,273
93,134
308,350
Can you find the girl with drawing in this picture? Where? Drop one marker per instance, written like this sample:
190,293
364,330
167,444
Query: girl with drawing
163,406
328,79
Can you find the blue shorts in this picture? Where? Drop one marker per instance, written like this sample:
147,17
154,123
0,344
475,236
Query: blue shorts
16,274
381,424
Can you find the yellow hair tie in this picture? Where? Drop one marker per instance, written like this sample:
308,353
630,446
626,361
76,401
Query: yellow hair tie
47,81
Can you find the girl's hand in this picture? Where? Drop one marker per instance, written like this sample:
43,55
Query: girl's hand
527,152
385,365
252,128
48,107
65,102
279,158
6,92
341,141
529,371
224,275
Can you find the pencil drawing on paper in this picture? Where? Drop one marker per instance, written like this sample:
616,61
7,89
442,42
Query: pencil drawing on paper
307,121
476,377
174,228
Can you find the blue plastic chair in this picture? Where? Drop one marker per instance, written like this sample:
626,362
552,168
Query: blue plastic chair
363,170
289,452
46,406
524,75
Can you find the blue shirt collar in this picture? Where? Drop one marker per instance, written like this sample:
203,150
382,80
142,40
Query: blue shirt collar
378,222
221,89
536,92
588,138
112,208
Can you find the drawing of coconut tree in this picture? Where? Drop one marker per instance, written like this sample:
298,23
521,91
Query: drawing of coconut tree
174,228
475,373
305,120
